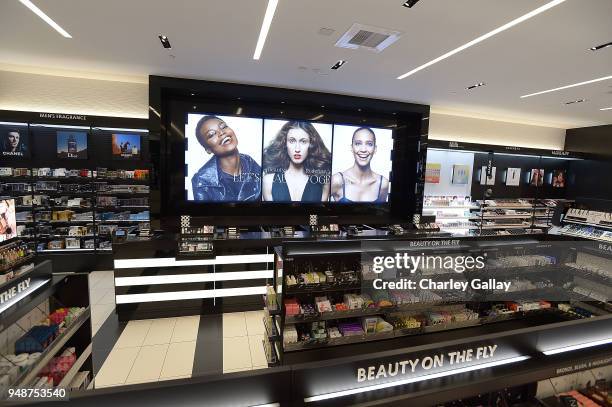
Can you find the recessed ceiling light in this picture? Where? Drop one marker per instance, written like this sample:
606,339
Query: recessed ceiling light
606,108
338,64
195,107
192,94
410,3
239,110
265,27
488,35
45,18
575,101
605,78
164,40
602,46
476,86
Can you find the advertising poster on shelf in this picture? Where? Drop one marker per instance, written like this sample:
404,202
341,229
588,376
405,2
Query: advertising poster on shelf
461,174
513,177
296,161
487,180
432,173
537,177
362,164
559,178
126,146
14,141
8,220
72,145
223,158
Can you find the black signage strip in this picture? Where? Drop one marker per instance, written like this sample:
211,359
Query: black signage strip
491,148
72,119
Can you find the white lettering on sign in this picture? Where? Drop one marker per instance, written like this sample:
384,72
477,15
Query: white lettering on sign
63,116
436,361
13,291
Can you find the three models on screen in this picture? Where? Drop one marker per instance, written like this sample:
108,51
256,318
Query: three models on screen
228,176
284,161
360,183
297,165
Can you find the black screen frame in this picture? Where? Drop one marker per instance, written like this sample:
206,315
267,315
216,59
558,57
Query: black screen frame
172,98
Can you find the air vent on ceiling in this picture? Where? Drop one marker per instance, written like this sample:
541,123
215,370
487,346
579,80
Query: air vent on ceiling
361,36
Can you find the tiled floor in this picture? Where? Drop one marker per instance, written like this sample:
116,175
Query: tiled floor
243,334
151,350
162,349
101,297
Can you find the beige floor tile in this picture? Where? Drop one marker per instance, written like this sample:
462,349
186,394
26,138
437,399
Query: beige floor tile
186,329
128,382
236,353
244,369
108,297
95,329
96,294
234,324
160,332
100,312
254,322
174,378
179,359
258,356
134,334
117,366
148,364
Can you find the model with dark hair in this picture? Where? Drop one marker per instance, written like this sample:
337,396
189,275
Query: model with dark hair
227,176
13,144
359,183
297,165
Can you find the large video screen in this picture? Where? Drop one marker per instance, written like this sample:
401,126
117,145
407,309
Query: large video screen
297,161
223,158
361,164
8,220
248,159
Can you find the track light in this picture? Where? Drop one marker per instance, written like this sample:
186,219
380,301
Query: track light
476,86
164,40
338,64
575,101
410,3
602,46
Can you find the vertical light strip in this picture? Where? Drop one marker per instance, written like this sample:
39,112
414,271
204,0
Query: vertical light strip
45,18
265,27
488,35
573,85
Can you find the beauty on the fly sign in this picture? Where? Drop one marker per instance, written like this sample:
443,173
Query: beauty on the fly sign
455,359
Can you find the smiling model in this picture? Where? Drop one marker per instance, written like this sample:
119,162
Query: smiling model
228,176
359,183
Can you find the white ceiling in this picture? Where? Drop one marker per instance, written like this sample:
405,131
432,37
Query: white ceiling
215,40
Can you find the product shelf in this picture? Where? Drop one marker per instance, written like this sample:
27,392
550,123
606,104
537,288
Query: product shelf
26,377
75,368
596,225
314,288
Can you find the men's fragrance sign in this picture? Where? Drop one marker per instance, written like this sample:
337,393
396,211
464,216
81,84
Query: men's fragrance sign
15,290
433,362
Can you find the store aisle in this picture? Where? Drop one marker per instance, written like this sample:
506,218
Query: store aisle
101,297
243,333
151,350
173,348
